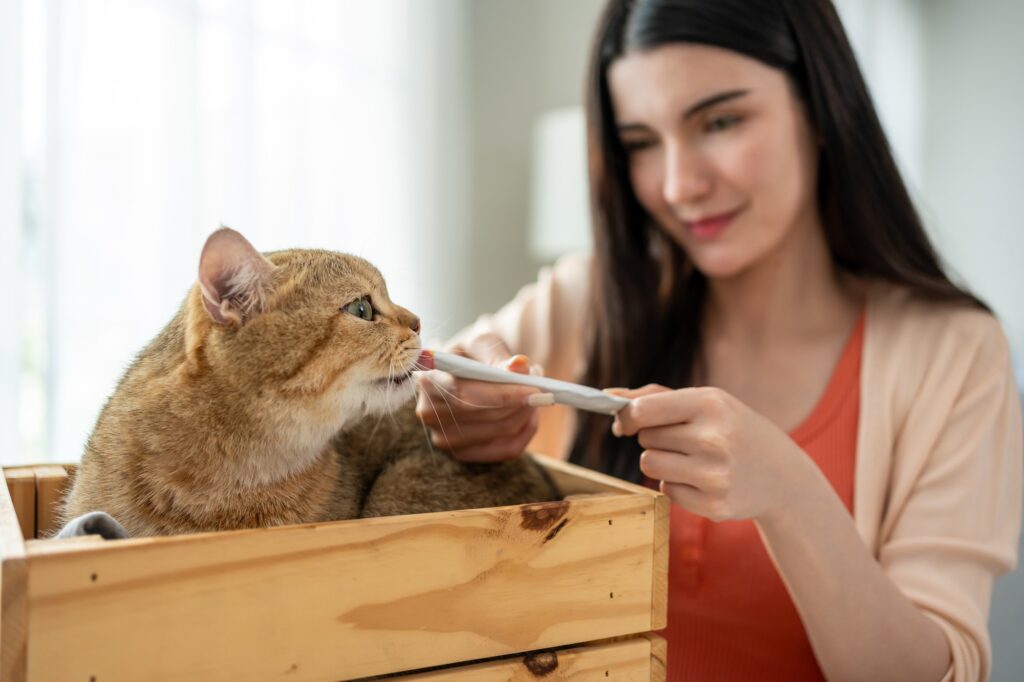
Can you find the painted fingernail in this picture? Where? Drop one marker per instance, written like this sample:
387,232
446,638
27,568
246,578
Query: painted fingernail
540,399
516,360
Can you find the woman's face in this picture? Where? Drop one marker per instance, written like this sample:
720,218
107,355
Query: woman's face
720,152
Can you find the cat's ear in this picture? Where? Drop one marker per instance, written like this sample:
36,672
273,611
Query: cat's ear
234,278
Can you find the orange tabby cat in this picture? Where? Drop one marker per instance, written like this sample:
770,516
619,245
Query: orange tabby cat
265,401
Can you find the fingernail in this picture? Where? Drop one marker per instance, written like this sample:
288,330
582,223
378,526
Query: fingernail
540,399
516,360
616,429
443,380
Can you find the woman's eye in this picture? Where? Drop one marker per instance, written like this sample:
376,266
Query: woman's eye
360,308
720,123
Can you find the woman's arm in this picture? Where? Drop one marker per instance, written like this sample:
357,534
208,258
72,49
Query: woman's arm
718,458
861,626
904,615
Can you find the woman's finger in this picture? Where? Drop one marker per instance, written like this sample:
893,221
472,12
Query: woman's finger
697,501
489,348
674,407
452,435
630,393
665,465
501,449
485,395
440,407
703,441
465,395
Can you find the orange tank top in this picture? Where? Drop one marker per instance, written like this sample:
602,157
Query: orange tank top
729,614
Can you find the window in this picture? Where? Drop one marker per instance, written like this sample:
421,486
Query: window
137,127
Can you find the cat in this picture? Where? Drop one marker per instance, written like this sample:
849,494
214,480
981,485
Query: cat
280,393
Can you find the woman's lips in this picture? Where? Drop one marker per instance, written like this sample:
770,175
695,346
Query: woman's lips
711,226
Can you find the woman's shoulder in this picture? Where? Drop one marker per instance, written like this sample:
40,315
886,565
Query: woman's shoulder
907,319
575,268
924,352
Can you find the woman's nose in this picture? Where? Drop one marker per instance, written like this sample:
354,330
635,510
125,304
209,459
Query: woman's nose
686,178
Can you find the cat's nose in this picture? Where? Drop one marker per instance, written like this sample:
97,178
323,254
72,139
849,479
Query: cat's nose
406,318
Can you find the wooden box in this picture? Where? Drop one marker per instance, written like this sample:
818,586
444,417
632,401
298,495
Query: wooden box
553,591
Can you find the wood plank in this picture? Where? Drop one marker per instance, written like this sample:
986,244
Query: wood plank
56,545
51,484
624,660
344,600
13,593
575,480
659,656
572,479
659,609
21,484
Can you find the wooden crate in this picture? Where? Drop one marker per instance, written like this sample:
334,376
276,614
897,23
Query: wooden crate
559,590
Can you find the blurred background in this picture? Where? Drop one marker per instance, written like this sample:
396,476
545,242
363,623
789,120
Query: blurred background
441,139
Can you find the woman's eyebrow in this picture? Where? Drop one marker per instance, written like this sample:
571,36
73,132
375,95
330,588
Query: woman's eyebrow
630,127
696,108
713,100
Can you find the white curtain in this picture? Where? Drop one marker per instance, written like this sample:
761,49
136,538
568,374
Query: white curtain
10,230
145,124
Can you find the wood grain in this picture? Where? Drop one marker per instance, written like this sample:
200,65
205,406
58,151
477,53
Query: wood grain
21,484
343,600
659,656
659,607
51,484
572,479
630,660
576,480
13,593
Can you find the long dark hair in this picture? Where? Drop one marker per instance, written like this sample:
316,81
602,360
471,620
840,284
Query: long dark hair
647,296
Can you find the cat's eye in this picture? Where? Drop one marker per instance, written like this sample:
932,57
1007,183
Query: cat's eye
360,308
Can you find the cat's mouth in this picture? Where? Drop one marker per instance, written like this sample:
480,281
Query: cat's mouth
395,379
402,377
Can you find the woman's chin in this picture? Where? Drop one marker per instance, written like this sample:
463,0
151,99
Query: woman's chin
720,265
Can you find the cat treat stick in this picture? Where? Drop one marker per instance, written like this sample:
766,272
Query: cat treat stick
564,392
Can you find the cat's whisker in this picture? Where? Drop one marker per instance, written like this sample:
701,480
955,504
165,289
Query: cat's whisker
464,401
437,329
450,411
443,433
373,434
430,445
387,391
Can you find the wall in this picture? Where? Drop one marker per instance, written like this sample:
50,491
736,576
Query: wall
973,152
524,58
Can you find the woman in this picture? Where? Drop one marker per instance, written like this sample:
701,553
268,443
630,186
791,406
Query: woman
834,420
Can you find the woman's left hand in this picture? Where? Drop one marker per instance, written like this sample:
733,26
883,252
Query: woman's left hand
714,455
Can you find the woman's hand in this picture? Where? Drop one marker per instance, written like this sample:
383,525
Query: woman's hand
714,455
479,421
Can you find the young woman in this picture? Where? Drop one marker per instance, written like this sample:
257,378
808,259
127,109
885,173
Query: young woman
834,420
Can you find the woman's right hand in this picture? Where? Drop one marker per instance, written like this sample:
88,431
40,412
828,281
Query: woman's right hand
478,421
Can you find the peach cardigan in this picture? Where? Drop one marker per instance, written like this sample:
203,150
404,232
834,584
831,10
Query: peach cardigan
937,483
